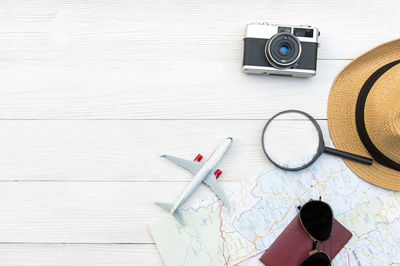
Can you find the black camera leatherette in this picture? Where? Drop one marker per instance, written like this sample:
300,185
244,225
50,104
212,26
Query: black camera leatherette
254,55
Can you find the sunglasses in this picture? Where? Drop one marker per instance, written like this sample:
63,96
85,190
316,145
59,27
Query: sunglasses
316,217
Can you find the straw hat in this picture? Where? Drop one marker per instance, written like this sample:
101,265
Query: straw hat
364,113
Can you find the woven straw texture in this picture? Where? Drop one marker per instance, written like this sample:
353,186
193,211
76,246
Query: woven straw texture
382,113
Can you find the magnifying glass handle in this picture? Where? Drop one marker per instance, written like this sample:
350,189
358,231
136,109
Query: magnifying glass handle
350,156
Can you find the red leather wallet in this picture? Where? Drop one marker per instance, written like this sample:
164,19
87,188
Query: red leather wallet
293,245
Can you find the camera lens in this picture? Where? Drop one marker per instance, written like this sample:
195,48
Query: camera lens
283,50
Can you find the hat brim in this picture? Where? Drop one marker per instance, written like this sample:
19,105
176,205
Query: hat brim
341,112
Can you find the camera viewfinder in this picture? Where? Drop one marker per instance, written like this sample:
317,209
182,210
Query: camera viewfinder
284,29
299,32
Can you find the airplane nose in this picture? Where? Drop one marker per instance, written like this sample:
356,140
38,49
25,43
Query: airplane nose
230,139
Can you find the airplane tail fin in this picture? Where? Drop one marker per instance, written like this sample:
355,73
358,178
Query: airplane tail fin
168,206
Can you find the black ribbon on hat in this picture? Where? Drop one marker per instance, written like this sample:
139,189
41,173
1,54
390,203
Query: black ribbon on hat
360,123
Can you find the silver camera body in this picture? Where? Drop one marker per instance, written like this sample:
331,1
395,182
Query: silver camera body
280,50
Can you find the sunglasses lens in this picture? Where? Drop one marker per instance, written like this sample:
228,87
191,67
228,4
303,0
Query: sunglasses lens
317,219
317,259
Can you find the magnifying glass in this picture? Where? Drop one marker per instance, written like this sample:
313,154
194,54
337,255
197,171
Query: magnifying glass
292,140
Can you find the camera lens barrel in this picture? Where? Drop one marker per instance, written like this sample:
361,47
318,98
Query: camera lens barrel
283,50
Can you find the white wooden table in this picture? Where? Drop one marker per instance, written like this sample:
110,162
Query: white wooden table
92,92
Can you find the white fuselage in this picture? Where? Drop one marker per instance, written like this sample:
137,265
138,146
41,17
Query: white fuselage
203,172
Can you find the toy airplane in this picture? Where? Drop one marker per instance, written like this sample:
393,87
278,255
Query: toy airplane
206,173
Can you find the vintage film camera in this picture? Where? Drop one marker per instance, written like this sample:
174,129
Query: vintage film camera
280,50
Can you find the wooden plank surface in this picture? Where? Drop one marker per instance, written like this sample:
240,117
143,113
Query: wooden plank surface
94,212
163,30
92,92
78,255
98,150
83,212
151,61
167,89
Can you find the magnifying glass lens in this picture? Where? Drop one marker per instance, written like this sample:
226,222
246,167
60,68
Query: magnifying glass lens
291,141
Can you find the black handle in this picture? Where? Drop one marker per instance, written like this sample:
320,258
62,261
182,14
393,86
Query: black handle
350,156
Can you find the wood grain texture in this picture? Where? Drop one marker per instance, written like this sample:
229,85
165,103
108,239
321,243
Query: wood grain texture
92,92
78,255
99,150
88,212
83,212
156,90
163,30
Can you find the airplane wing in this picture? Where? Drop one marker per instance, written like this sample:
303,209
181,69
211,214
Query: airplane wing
211,181
191,166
